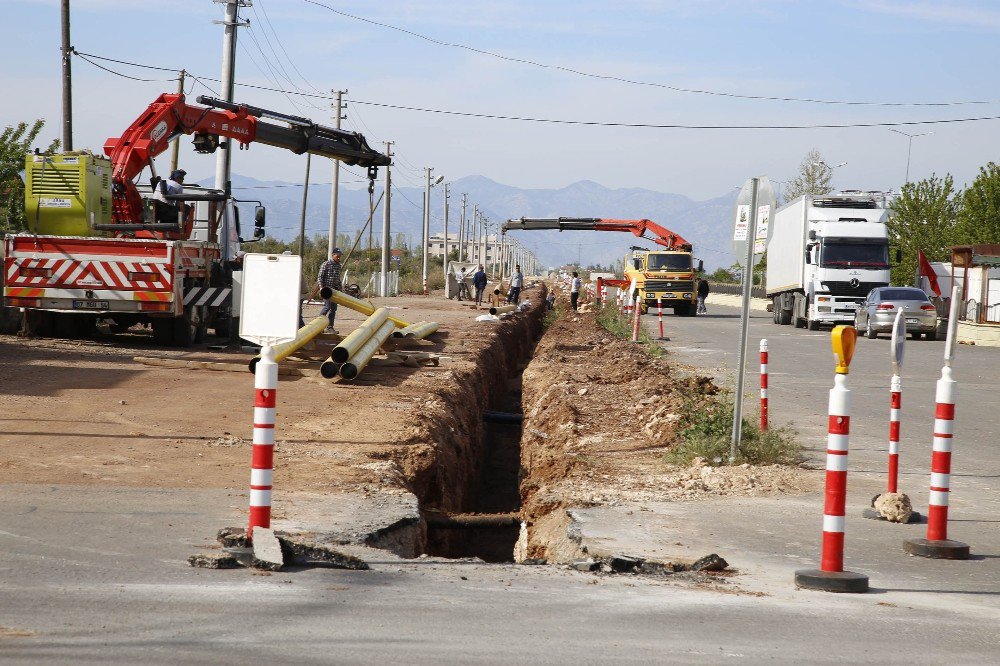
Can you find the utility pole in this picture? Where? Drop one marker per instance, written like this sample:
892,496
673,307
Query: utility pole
386,224
446,282
427,225
474,232
175,149
461,228
223,160
67,81
305,199
335,191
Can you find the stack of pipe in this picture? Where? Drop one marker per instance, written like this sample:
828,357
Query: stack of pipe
302,338
419,331
354,352
340,298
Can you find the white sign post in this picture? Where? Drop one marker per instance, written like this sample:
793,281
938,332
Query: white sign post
269,314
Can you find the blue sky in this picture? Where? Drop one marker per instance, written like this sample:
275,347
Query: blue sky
876,50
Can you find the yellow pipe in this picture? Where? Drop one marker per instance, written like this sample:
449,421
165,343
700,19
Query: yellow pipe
302,338
503,309
421,330
353,367
365,308
349,345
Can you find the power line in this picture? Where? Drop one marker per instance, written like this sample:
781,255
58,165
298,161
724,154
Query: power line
282,47
636,82
593,123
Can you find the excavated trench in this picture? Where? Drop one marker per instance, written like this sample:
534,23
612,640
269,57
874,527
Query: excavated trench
467,481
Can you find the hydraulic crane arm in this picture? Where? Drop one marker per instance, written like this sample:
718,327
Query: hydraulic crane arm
659,235
170,116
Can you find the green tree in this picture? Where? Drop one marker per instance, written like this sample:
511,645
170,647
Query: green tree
924,218
979,215
15,143
814,177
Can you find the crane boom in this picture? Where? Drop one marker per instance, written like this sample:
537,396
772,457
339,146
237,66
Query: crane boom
170,116
660,235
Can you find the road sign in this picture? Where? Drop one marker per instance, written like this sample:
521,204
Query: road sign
765,207
269,307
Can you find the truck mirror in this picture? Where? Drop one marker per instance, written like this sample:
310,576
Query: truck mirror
701,266
808,257
259,217
258,233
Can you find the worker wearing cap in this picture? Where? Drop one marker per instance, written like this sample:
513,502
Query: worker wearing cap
329,276
173,185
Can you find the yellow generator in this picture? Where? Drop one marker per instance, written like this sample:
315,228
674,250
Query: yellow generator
67,194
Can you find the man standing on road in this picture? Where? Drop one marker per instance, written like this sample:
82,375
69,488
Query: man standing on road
479,281
574,290
329,276
516,282
702,295
463,286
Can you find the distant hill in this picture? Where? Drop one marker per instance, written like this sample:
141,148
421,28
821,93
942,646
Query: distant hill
707,224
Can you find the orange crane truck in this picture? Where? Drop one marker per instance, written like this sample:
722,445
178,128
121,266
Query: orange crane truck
666,275
99,247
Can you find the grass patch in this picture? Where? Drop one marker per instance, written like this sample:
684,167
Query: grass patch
550,317
620,326
706,430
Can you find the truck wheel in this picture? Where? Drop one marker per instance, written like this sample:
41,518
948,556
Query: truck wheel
163,330
871,332
796,319
811,324
783,317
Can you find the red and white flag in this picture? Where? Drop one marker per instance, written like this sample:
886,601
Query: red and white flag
928,272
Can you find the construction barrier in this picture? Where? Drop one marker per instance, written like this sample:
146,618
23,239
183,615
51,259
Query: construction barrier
340,298
357,338
763,384
895,405
937,545
302,338
635,320
262,456
831,576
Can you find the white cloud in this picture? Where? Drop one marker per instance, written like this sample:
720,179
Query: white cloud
955,13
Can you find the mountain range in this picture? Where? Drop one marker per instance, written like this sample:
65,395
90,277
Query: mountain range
706,224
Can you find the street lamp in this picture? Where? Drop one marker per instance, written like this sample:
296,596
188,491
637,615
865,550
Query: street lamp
427,220
909,147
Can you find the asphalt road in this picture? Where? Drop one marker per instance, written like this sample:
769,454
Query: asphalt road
98,574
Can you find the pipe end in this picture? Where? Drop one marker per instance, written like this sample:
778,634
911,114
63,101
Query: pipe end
329,369
348,371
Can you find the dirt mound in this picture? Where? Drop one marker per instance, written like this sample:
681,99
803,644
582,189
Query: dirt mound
600,413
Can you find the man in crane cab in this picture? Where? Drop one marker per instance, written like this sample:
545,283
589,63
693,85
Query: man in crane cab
166,210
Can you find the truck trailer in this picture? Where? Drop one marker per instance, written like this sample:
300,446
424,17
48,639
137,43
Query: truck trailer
824,255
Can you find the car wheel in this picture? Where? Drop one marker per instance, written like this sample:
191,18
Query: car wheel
932,336
914,336
871,332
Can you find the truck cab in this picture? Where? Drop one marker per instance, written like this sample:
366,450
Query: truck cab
664,276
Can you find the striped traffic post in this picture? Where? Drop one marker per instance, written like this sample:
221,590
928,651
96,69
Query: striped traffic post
831,576
895,405
763,384
262,457
937,545
659,314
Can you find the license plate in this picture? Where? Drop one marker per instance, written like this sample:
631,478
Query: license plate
912,321
91,305
850,306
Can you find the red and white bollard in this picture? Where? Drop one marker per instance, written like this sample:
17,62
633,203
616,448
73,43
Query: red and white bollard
635,318
763,384
831,576
937,545
895,405
262,465
659,314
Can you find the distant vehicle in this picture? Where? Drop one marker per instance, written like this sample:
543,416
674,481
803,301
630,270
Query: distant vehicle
825,254
878,312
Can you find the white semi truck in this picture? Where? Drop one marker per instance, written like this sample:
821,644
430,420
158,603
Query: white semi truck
824,255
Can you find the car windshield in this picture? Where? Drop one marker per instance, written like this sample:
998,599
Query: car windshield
668,262
839,253
902,295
